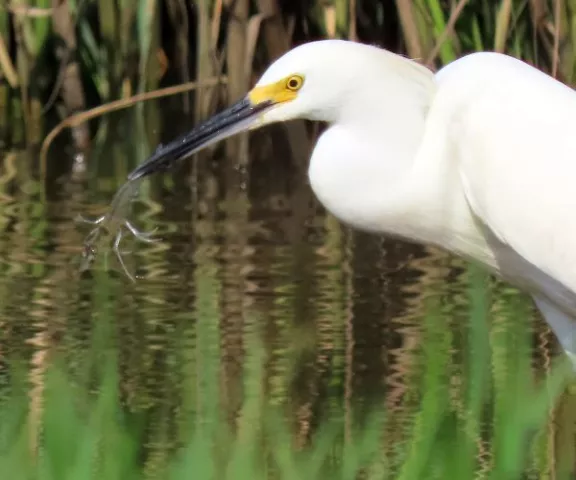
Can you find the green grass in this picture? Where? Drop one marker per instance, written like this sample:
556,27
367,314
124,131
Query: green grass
497,413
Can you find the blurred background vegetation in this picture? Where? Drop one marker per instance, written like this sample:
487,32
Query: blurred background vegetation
61,57
256,306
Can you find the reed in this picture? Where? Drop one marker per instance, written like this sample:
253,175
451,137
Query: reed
61,57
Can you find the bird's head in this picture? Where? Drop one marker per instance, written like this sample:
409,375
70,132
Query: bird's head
311,81
308,82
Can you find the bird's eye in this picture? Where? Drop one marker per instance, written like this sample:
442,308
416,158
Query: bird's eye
294,83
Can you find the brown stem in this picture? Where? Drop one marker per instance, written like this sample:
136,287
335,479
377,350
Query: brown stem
83,117
71,91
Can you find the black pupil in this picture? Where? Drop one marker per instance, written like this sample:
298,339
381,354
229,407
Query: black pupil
293,83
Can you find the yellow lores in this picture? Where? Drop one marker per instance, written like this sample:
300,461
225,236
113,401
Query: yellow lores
282,91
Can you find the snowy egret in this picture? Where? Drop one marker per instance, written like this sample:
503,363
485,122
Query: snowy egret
478,159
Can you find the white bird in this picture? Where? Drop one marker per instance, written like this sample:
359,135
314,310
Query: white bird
478,159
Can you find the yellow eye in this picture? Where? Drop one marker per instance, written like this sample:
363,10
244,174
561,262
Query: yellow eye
294,83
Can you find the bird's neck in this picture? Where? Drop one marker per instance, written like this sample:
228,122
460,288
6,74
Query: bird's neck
361,161
392,175
393,137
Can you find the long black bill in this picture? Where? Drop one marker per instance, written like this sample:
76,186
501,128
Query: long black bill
233,120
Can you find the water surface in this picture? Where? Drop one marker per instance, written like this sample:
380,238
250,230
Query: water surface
247,255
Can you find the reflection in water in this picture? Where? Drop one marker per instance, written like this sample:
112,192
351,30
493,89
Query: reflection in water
244,258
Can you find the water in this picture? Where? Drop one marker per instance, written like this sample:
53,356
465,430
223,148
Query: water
247,255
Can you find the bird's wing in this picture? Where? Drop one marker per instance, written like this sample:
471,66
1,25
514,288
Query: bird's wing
514,131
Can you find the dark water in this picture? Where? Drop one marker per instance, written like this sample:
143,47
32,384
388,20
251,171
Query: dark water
246,253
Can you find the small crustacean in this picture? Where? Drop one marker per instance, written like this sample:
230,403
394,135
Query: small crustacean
113,223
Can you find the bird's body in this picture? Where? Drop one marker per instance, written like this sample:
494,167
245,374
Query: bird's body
484,167
470,169
478,159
